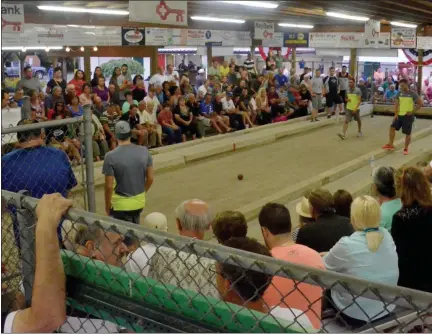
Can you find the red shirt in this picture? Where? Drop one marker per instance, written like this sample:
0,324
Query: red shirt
165,117
78,85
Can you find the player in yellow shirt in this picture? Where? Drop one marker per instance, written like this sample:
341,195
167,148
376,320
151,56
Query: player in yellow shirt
353,100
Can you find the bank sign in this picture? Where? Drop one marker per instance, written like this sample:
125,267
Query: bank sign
296,39
12,18
264,30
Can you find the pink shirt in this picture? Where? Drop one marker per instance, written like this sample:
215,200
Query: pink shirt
304,297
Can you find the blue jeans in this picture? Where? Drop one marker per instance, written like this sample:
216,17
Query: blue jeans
174,136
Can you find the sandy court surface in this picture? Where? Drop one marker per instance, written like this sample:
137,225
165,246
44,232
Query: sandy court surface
266,169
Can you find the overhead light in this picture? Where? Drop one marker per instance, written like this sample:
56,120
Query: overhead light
67,49
347,17
401,24
82,48
25,48
291,25
174,50
95,48
84,10
258,4
47,49
77,26
216,19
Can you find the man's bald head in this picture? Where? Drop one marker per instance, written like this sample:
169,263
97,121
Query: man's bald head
194,215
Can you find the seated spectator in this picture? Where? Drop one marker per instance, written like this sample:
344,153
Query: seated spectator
37,108
59,112
70,92
78,81
202,90
328,228
86,95
229,224
17,99
97,73
149,121
75,108
369,253
56,81
184,119
412,228
140,135
275,222
264,111
253,108
5,99
101,90
383,186
109,119
208,117
51,100
304,102
152,97
386,85
182,269
229,109
390,94
99,107
58,137
114,94
342,200
165,119
138,91
244,114
305,216
129,101
280,77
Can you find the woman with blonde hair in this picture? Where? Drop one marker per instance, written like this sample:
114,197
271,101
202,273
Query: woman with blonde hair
412,229
264,114
369,253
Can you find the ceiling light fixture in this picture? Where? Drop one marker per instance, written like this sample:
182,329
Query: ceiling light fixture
401,24
95,48
347,17
216,19
82,48
47,49
258,4
291,25
67,49
84,10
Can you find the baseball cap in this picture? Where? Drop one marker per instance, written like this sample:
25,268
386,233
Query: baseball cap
123,130
201,71
157,221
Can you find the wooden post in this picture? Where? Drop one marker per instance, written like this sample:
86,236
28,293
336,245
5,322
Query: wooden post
154,60
87,64
353,64
64,68
209,56
293,60
420,71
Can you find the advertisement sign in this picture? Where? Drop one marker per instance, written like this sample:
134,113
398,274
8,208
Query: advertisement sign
424,42
381,42
201,37
336,40
296,39
403,38
264,30
161,12
12,17
133,36
276,41
372,29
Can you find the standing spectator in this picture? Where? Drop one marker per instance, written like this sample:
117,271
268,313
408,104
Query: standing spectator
184,119
78,81
158,78
172,75
270,61
332,90
51,71
279,59
232,76
383,186
57,80
169,266
36,168
86,95
124,83
364,90
131,167
412,228
129,101
100,145
224,69
305,72
369,253
109,119
229,224
317,93
101,90
138,91
96,75
165,119
213,71
328,227
249,64
37,107
28,83
200,78
139,132
275,222
342,200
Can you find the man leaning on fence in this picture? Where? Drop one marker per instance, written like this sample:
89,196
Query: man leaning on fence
131,167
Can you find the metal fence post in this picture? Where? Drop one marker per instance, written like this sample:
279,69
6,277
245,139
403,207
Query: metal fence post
88,143
26,224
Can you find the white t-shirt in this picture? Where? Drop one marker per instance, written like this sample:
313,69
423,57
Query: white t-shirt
138,261
172,77
227,105
155,101
252,104
157,80
146,117
73,325
202,91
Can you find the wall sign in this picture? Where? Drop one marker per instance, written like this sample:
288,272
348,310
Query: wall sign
201,37
403,38
162,12
381,42
296,39
264,30
424,42
12,17
276,41
133,36
336,40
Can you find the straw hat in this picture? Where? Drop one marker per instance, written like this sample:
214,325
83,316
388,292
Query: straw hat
156,220
303,208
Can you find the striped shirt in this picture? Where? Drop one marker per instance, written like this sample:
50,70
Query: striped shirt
249,64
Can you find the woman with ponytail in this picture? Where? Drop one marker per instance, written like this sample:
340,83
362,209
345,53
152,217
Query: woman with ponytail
369,253
412,229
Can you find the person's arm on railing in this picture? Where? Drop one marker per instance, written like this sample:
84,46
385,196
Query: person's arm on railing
48,310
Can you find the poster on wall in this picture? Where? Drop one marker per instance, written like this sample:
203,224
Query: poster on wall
403,38
336,40
296,39
264,30
424,42
133,36
201,37
276,41
161,12
381,42
12,16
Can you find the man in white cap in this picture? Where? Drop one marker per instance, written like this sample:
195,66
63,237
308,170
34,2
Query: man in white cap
131,166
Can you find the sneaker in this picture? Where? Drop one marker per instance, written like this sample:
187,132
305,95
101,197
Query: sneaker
388,147
312,120
316,119
405,151
341,136
359,134
328,116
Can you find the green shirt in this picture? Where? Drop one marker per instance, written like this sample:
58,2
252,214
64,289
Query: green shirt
388,209
126,106
279,61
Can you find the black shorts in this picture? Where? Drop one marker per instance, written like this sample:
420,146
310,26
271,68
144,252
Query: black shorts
405,122
343,95
333,99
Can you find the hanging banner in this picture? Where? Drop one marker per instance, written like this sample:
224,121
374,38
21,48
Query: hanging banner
424,42
381,42
264,30
161,12
412,55
403,38
276,41
296,39
12,17
336,40
133,36
200,37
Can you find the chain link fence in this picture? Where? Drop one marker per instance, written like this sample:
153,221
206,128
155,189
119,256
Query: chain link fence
124,277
